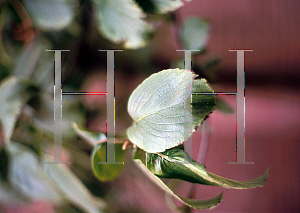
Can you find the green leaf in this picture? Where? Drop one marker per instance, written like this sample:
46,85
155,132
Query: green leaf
165,6
198,204
202,104
52,183
28,178
176,163
50,15
223,106
157,107
195,33
9,196
91,137
36,63
72,188
70,111
122,21
27,60
160,109
203,204
104,171
11,100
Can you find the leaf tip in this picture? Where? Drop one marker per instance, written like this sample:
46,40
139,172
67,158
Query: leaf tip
219,199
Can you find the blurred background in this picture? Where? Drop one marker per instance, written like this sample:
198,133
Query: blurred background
271,99
272,92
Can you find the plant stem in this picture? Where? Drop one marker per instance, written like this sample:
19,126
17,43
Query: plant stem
205,134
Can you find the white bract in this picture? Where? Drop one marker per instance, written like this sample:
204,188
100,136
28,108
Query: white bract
161,110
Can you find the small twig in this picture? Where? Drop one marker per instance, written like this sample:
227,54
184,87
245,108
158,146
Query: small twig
205,134
169,199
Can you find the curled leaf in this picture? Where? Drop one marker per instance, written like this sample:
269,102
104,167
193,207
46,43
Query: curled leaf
176,163
198,204
91,137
